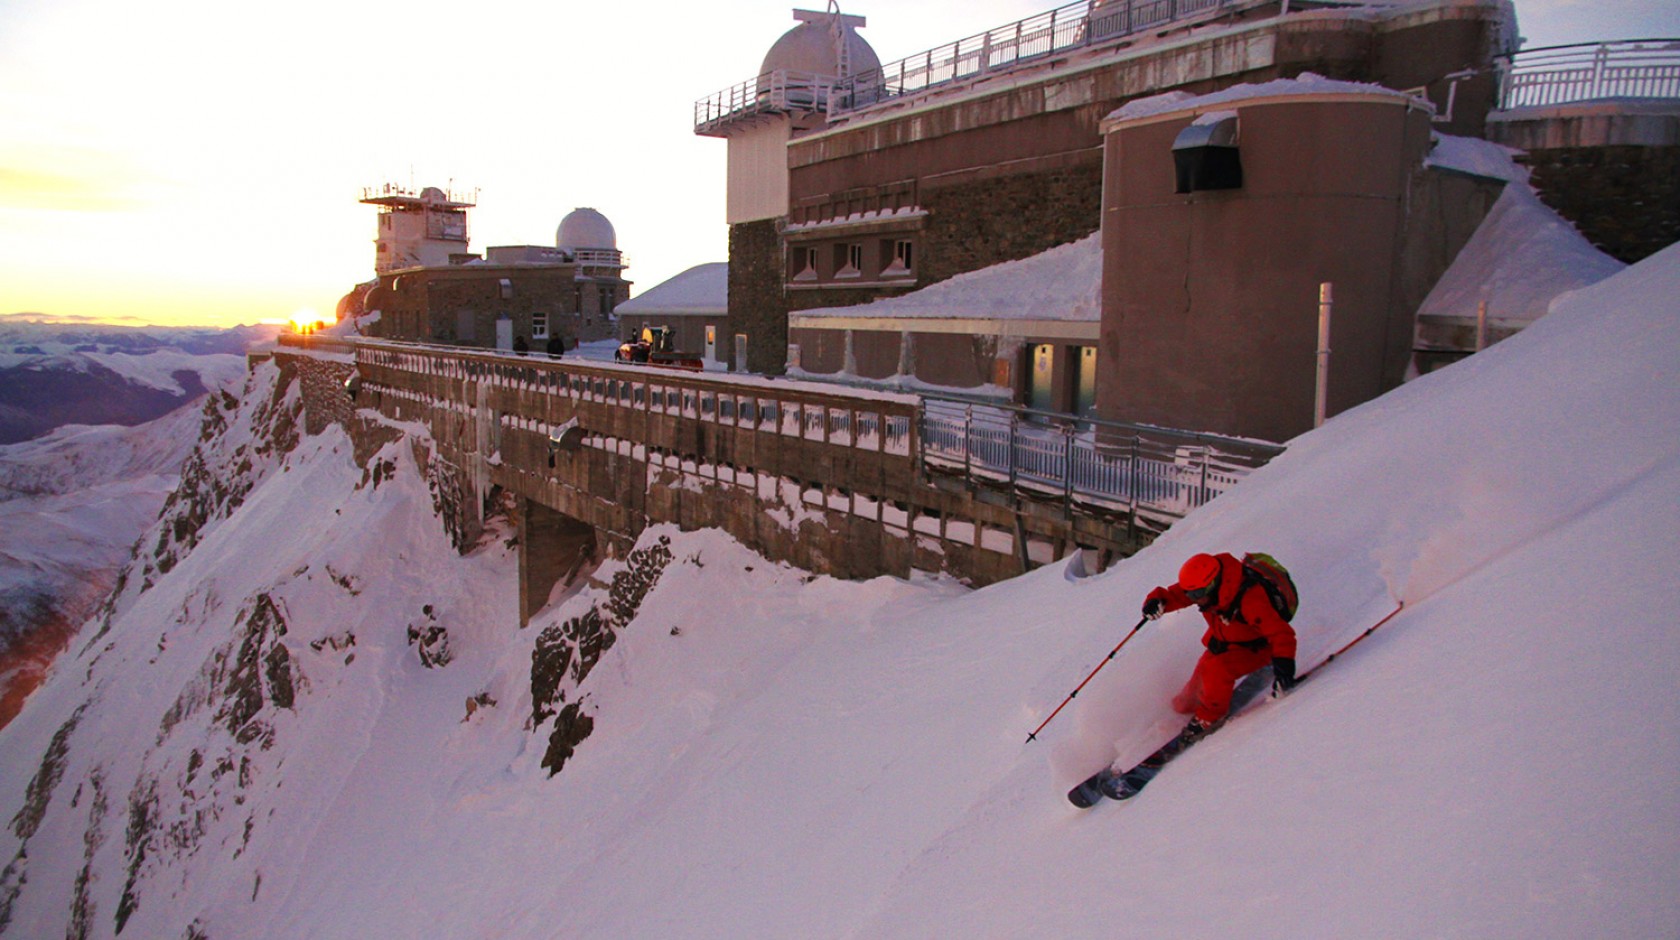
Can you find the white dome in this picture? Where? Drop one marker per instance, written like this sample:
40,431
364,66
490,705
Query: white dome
585,228
809,47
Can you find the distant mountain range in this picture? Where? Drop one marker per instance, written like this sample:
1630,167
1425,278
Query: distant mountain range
53,374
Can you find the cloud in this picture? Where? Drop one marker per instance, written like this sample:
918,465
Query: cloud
67,319
29,188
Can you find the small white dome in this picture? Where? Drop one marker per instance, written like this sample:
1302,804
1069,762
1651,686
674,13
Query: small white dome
585,228
809,47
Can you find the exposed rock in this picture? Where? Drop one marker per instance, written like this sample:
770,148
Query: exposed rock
565,653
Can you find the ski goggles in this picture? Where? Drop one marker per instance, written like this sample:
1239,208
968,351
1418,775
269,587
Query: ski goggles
1200,596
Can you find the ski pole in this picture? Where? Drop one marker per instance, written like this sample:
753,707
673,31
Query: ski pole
1034,735
1399,606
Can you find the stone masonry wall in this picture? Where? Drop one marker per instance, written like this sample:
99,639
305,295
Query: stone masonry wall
1624,199
977,224
757,305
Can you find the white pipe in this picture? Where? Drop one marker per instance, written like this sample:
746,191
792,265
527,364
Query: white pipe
1322,389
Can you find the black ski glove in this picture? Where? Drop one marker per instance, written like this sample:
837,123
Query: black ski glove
1154,608
1283,675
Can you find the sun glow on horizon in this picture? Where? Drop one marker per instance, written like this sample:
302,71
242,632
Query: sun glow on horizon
305,321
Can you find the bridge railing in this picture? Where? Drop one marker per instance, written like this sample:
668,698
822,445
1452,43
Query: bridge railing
1635,68
1157,473
1151,473
881,423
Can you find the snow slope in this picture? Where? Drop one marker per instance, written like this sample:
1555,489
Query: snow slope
71,505
775,755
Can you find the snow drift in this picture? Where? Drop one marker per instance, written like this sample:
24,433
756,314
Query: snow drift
253,747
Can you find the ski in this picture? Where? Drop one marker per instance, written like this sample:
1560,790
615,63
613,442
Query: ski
1125,784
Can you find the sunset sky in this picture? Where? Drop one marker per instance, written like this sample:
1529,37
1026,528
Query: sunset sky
188,161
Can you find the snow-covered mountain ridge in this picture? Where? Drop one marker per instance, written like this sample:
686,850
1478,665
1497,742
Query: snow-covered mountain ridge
308,715
53,374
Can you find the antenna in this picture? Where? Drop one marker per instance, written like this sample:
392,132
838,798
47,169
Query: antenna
842,48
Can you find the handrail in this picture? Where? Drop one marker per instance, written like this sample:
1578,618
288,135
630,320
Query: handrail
1065,28
1150,473
1145,471
1071,26
1554,75
773,92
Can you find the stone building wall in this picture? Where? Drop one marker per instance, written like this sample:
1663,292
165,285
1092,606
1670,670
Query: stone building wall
980,223
1624,199
460,305
757,304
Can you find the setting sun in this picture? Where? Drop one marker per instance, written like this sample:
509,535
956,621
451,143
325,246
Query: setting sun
306,320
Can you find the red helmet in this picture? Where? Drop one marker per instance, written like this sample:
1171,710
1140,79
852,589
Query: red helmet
1199,578
1198,572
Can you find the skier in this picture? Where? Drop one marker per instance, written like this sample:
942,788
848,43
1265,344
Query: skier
1244,633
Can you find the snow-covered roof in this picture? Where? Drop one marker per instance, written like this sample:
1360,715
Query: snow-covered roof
1474,157
1305,85
1064,283
703,288
1521,258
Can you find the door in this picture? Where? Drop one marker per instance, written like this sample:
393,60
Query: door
1085,381
504,332
1041,394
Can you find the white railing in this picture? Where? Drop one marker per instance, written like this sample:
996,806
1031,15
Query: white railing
772,92
1157,473
1065,28
1068,27
1634,68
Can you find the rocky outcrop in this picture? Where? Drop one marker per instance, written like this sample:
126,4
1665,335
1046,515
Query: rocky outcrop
566,652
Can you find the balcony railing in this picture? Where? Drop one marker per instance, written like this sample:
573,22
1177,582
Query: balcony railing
1063,29
1635,68
1156,474
771,93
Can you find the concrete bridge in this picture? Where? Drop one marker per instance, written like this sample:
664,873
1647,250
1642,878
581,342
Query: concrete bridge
836,480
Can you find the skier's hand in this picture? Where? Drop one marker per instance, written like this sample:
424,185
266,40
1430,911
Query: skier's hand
1283,675
1154,608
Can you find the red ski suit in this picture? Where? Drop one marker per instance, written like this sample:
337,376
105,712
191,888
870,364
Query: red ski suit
1251,621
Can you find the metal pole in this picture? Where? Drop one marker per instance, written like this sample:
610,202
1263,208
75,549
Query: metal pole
1322,388
1033,735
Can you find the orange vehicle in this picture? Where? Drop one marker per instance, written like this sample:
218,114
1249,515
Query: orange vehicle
657,346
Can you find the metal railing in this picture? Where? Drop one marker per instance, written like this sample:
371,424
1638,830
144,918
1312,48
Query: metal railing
770,93
1634,68
1065,28
877,423
1157,473
1152,474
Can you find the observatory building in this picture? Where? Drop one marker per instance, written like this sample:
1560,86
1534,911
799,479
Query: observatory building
514,295
417,229
1190,172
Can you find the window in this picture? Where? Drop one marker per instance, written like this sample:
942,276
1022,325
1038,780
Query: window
507,289
848,260
901,262
539,326
805,264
